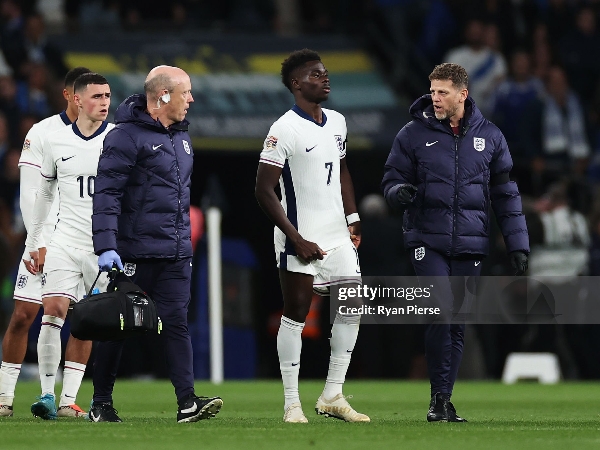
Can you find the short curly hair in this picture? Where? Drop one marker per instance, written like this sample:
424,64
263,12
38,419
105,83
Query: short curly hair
453,72
295,60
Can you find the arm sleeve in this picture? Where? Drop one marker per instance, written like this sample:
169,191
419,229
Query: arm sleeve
506,202
344,140
28,185
41,209
118,158
31,154
43,199
399,169
278,146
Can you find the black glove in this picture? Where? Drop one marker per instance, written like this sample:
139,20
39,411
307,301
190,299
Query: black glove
406,194
518,261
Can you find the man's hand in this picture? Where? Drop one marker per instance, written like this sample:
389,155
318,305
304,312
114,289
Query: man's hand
518,261
406,194
32,265
107,259
355,233
308,251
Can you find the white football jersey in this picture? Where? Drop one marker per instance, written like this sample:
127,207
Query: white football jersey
72,159
310,154
32,155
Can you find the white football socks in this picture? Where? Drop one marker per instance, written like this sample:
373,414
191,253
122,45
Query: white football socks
49,352
289,347
9,373
343,338
72,376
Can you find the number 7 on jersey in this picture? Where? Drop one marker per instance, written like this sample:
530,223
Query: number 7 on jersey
330,166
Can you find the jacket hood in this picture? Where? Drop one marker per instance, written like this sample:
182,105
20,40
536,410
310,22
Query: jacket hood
422,110
133,110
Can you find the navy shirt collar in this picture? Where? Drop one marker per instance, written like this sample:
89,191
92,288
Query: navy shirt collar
96,133
65,118
303,114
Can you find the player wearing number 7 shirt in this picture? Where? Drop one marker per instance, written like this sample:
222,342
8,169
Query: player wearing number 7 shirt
70,161
317,228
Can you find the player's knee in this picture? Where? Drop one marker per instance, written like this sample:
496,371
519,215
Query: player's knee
23,315
56,307
297,313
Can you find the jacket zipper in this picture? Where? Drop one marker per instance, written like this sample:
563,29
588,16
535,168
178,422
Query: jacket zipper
178,199
455,208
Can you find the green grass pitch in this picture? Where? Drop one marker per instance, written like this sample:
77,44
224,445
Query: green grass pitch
523,416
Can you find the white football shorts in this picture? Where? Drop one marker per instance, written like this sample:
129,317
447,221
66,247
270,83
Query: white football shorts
66,267
340,262
28,287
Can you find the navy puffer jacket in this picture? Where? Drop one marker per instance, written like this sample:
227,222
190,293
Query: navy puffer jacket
142,190
458,177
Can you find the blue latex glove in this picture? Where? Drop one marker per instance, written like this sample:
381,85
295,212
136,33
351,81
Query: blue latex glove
107,259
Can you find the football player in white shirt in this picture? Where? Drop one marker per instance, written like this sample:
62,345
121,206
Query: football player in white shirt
28,287
317,228
70,162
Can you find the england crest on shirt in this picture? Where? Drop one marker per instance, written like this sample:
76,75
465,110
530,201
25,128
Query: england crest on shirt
186,147
479,144
340,142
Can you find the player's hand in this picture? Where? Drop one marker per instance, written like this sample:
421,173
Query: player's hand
355,233
518,261
107,259
42,258
32,265
308,251
406,194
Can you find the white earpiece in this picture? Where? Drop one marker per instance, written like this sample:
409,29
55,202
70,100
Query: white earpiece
166,98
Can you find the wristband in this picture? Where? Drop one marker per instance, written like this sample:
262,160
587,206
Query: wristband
351,218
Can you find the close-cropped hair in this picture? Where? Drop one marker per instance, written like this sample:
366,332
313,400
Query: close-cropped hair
295,60
73,74
156,84
84,80
453,72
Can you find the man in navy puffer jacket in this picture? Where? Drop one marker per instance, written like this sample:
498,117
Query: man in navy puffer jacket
141,214
446,168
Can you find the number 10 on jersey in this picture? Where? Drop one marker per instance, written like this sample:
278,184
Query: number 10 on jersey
90,185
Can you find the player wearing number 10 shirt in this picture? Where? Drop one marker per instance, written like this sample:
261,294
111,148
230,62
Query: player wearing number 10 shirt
317,228
70,161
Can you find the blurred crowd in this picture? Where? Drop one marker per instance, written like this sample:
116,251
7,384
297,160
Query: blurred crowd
533,68
286,17
31,78
533,72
